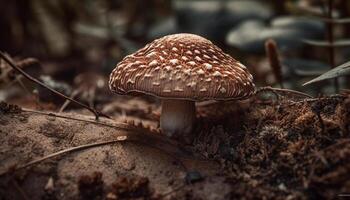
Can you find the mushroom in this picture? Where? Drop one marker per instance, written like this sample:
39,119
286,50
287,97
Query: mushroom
181,69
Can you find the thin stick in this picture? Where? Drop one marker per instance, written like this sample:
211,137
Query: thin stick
75,119
18,79
66,103
134,133
263,89
72,149
120,138
14,66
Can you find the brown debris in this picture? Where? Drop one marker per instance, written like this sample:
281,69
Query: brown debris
9,108
131,188
91,187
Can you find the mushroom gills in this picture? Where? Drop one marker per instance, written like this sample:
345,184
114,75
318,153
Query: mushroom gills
177,117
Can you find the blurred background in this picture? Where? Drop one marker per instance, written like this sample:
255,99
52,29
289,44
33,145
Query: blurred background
77,43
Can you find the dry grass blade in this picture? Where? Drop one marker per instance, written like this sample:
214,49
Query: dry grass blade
341,70
72,149
143,139
334,21
338,43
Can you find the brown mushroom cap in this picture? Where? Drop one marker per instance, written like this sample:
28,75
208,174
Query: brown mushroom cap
182,66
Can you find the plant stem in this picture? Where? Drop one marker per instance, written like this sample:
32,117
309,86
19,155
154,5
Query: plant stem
330,38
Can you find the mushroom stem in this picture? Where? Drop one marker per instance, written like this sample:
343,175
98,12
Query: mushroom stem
177,117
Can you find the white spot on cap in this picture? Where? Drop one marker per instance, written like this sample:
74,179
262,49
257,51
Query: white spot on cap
208,79
217,73
250,77
161,58
189,52
197,52
138,75
166,91
208,66
165,53
206,56
203,90
156,83
174,49
173,61
148,75
151,54
153,63
191,84
184,58
167,68
178,89
216,58
242,66
130,81
178,67
228,72
129,56
200,72
192,63
187,71
222,90
198,58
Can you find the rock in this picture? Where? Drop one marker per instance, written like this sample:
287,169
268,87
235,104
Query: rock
213,19
287,31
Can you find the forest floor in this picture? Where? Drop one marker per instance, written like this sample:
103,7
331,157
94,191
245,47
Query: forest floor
276,148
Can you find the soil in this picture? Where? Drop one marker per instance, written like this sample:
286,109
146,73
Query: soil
261,148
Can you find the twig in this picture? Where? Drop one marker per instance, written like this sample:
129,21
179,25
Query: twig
13,65
66,103
72,149
120,138
120,125
165,145
289,91
18,79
